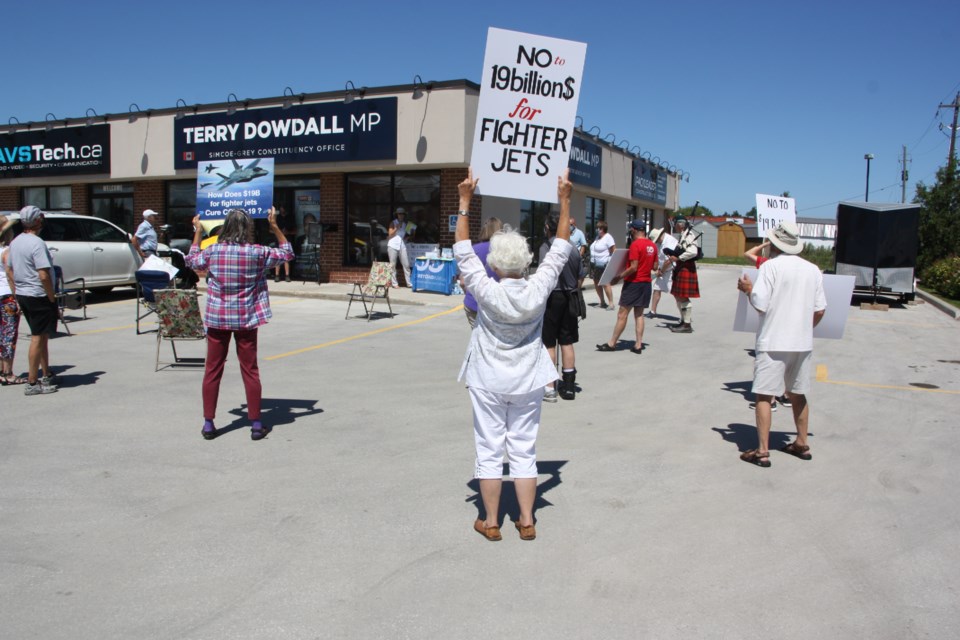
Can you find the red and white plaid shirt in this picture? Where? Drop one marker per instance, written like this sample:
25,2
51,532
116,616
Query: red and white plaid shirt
237,296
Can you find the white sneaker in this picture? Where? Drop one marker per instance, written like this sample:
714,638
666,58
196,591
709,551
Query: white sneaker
550,394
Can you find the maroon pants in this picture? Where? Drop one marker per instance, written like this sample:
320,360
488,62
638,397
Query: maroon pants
218,344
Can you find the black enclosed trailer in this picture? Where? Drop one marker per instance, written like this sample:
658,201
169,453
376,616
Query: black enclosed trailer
877,243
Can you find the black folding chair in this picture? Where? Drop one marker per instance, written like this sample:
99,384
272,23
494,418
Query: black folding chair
69,296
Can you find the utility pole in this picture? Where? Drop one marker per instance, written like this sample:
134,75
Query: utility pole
951,162
904,175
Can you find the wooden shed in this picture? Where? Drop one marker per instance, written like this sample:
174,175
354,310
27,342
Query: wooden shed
731,240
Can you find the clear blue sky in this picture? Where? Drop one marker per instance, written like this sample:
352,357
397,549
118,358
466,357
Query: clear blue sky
745,96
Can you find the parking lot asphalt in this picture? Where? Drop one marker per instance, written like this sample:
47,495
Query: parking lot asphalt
352,519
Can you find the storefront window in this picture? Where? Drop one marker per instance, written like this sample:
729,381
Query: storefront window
49,198
113,202
595,212
372,200
181,208
533,216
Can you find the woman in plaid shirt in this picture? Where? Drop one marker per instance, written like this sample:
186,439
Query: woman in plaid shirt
237,304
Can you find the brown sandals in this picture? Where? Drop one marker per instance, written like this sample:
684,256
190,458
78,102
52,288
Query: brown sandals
490,533
526,533
798,450
754,456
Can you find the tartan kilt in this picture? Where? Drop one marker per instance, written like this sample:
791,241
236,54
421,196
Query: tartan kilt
685,283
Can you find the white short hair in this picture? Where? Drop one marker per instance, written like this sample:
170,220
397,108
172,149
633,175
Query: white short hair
509,253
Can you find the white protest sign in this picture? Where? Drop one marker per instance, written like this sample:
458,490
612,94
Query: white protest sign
838,291
772,210
525,118
618,261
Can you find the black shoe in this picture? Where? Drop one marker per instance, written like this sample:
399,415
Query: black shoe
785,401
259,432
568,386
682,328
605,347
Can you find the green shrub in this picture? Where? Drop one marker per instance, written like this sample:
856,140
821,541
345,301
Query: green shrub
944,277
820,256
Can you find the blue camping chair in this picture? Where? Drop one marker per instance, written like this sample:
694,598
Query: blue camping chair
147,283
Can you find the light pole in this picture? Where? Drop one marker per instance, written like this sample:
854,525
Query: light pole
868,157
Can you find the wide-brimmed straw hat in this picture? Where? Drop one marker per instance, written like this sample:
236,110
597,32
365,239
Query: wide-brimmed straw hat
655,235
5,223
786,237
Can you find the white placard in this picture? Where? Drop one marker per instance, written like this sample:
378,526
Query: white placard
526,114
668,242
618,261
838,291
772,210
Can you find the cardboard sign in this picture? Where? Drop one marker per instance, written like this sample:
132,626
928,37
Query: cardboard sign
618,262
525,118
223,185
772,210
838,291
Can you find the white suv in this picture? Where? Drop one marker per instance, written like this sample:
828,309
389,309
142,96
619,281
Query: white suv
90,248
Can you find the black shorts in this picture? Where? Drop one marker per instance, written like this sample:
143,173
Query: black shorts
561,318
41,314
635,294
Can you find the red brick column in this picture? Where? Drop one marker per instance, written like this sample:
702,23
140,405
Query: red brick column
148,195
80,198
450,203
10,199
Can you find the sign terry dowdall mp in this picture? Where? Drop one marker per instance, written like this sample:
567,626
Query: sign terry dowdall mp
528,105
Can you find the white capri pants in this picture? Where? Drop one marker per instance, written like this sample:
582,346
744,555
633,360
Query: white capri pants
393,254
506,422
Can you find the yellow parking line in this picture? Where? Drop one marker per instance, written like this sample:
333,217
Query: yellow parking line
92,331
822,377
903,324
364,335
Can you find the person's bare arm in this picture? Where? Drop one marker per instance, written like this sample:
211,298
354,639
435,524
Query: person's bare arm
274,227
628,272
47,283
466,189
818,316
8,274
754,253
564,189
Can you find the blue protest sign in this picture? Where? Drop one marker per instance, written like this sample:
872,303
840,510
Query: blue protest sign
223,185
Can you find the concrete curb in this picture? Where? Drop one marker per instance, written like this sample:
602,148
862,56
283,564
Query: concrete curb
942,305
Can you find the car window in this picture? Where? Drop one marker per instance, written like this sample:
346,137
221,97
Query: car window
100,231
61,230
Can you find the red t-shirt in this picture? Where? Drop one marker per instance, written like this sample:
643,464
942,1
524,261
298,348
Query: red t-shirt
645,253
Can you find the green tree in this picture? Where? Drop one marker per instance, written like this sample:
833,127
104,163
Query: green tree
939,218
688,211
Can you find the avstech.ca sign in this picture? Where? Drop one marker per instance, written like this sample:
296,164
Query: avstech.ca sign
58,152
323,132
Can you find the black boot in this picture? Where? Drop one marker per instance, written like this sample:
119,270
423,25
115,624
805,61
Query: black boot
568,386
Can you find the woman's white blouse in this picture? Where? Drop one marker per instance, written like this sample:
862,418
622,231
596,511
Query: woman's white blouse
506,353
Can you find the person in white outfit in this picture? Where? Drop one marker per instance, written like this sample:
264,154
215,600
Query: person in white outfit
397,246
506,365
789,296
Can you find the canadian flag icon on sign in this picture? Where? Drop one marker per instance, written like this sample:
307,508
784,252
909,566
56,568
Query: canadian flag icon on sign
188,156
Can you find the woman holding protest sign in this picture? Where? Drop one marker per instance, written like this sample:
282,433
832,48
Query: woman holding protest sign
237,304
506,365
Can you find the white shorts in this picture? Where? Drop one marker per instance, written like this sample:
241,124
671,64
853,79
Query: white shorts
777,371
506,423
662,283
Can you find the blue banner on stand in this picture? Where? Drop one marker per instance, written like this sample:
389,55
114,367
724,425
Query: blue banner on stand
228,184
585,163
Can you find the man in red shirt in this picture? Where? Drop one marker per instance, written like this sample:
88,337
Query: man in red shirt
637,287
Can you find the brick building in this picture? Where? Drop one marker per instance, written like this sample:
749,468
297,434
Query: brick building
372,150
